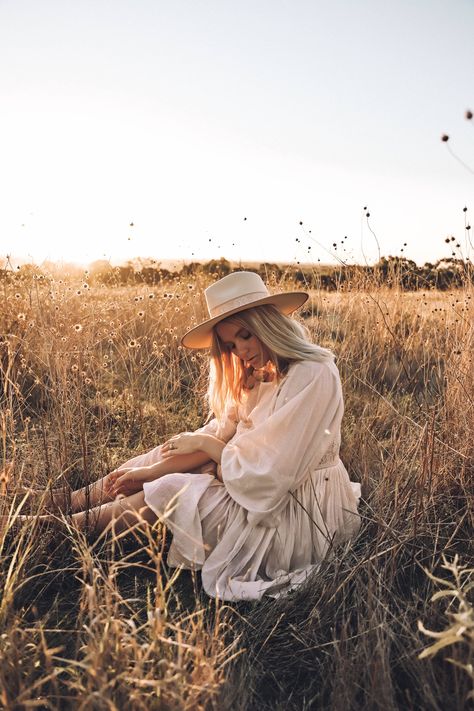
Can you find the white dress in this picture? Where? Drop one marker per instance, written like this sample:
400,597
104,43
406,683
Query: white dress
285,500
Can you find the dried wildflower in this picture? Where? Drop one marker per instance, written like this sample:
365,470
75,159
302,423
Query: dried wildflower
445,138
77,327
21,316
74,368
133,343
17,296
151,296
141,314
468,114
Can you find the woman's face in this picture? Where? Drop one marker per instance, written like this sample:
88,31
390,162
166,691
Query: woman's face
242,343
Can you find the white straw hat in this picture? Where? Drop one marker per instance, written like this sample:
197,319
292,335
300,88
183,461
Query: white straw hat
237,292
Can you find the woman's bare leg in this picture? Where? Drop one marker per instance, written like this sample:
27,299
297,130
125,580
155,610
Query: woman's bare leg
63,499
121,514
96,494
125,512
92,495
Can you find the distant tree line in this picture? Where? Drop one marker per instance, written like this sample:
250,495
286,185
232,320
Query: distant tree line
404,273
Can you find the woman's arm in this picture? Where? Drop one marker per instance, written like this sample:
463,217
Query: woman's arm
178,463
181,453
130,480
211,446
186,443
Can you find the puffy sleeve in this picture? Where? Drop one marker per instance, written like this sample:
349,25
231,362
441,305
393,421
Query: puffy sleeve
223,428
260,466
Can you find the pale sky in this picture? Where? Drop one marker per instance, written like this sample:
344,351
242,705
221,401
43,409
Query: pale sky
185,117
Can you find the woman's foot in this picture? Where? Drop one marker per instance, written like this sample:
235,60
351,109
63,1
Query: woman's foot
22,522
53,501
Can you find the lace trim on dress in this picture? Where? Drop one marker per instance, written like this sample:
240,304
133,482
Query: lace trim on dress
331,455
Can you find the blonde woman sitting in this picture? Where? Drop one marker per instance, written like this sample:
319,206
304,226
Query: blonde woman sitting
257,497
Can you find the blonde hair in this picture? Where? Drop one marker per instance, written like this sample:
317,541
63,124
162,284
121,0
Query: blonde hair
285,339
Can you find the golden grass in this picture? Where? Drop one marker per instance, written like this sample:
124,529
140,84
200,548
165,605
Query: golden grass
90,376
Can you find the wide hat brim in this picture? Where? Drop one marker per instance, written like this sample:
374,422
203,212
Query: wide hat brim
201,336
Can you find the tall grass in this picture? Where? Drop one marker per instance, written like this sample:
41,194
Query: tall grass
91,376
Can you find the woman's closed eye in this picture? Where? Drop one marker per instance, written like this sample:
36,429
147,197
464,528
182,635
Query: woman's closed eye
245,335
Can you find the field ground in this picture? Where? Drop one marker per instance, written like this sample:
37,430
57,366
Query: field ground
91,375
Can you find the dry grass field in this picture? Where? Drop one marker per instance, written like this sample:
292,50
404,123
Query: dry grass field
90,376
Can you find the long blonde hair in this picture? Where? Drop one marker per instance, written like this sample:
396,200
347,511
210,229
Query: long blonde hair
285,339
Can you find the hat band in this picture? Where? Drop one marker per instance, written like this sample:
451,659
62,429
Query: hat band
236,302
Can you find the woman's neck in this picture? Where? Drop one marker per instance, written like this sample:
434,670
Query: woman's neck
265,374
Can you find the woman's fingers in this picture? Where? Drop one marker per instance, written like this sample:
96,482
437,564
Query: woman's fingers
170,447
119,483
111,480
113,476
179,444
126,483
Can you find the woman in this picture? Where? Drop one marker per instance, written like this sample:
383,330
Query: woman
258,496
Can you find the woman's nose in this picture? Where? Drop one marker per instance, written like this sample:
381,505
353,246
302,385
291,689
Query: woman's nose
242,350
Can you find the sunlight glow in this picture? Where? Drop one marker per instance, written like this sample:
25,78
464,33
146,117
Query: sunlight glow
214,143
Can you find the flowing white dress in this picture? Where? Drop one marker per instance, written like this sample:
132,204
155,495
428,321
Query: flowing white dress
285,499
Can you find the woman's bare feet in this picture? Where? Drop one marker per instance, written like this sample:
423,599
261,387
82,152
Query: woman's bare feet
50,500
64,499
119,516
22,522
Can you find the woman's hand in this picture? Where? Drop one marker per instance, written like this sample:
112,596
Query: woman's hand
183,443
126,482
